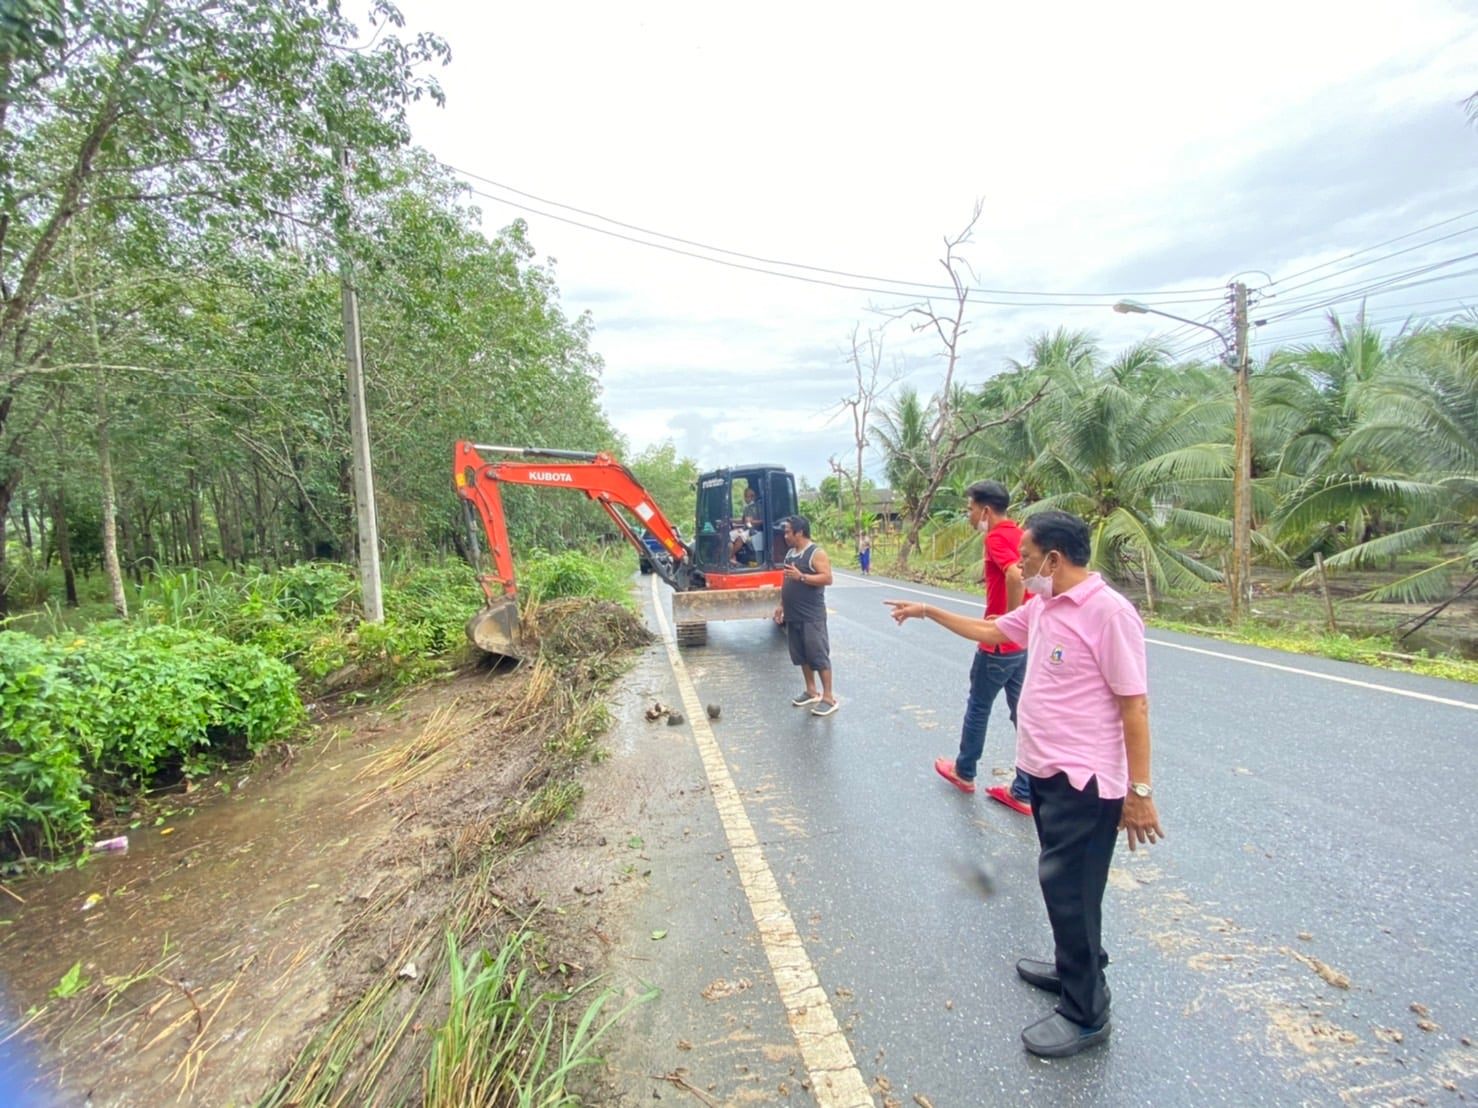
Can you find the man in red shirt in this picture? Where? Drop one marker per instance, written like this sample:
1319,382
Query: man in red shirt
995,667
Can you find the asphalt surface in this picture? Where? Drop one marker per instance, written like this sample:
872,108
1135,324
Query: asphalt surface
1298,938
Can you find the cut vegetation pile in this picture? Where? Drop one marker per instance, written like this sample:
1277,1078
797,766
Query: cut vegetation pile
504,1040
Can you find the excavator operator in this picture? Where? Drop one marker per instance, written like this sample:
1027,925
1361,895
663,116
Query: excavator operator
749,529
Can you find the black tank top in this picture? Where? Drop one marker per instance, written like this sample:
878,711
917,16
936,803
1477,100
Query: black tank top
803,603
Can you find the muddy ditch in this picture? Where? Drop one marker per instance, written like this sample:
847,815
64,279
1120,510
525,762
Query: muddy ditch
284,942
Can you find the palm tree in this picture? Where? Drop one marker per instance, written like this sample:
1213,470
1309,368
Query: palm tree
1316,391
902,433
1137,450
1405,476
1009,452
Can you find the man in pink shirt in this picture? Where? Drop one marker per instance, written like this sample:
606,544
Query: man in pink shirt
1083,741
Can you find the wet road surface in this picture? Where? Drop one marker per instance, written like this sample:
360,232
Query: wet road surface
1321,834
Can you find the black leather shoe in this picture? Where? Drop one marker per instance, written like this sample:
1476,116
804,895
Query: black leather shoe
1059,1037
1041,974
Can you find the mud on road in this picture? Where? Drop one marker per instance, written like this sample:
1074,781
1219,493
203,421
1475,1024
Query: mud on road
284,933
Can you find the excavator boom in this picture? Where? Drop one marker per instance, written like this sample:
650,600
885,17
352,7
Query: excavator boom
599,476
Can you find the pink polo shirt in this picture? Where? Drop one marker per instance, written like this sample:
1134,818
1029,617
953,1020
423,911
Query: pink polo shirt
1086,647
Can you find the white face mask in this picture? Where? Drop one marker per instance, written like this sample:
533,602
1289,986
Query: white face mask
1039,584
983,526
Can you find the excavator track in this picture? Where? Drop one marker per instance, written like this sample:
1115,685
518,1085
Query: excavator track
692,633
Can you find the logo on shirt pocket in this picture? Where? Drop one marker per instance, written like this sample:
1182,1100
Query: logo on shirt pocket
1056,657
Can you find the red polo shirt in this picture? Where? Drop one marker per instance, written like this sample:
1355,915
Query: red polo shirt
1002,551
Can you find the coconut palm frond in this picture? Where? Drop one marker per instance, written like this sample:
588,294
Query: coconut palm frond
1194,569
1342,496
1426,586
1200,525
1306,452
1075,502
1384,547
1387,443
1198,422
1192,463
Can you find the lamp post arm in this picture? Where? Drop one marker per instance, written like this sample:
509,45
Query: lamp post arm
1192,323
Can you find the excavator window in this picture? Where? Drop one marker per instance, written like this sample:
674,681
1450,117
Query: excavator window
780,502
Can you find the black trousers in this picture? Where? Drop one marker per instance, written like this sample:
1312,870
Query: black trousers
1077,832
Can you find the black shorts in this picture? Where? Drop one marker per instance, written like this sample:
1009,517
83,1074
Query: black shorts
809,643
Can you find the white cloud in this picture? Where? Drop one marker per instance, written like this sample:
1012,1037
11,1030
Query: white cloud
1103,139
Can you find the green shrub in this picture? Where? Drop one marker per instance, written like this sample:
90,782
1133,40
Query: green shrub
545,576
125,703
308,616
309,589
43,792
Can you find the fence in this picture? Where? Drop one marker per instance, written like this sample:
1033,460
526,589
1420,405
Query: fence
952,547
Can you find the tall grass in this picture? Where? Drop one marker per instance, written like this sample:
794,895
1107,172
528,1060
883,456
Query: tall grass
544,576
505,1041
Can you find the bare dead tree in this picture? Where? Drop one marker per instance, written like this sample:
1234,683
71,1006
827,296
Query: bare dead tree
950,431
866,357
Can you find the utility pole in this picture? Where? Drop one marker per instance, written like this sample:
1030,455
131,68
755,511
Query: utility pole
367,526
1240,585
1234,354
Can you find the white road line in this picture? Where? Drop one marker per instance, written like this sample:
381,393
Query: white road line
835,1079
976,604
1321,676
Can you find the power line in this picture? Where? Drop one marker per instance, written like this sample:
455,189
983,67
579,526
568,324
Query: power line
1313,300
1322,332
1385,257
764,261
1389,283
897,293
1316,299
1377,246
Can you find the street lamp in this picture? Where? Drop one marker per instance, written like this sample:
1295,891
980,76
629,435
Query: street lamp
1239,587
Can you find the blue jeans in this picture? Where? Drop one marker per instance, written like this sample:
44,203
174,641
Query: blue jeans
989,674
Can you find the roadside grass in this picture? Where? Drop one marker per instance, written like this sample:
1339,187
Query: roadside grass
508,1027
1282,617
1372,650
506,1041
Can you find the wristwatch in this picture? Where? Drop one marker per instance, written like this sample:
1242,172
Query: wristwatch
1142,791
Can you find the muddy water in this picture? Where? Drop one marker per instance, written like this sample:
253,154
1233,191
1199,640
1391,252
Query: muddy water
208,947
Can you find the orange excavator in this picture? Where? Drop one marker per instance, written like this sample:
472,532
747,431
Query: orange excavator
731,568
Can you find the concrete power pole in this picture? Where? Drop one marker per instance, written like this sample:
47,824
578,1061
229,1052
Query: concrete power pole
1240,584
367,525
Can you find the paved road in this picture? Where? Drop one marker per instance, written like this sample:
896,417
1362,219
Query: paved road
1321,831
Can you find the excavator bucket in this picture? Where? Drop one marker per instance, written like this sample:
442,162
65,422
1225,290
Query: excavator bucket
495,629
715,605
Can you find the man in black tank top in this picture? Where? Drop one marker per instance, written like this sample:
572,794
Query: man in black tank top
803,611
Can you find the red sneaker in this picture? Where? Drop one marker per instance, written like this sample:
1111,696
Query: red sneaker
945,767
1003,795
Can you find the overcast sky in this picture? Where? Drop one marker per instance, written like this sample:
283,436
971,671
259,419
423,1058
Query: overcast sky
1146,149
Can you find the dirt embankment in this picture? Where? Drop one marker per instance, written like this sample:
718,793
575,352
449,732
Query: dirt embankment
282,937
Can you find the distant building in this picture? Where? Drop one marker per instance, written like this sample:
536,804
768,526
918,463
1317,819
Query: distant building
885,506
881,504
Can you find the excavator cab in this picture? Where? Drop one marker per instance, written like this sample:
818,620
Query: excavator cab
739,550
740,513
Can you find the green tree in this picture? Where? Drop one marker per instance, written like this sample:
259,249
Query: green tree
206,114
901,432
671,479
1405,476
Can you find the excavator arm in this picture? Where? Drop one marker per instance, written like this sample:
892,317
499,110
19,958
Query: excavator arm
599,476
